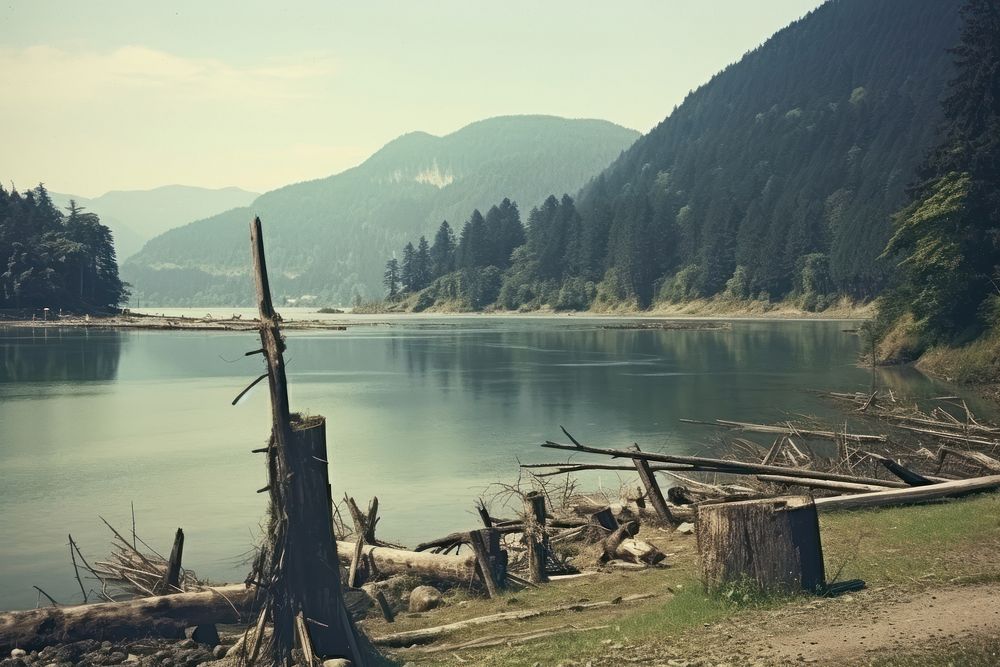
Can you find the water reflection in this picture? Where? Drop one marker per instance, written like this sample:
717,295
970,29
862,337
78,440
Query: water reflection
59,355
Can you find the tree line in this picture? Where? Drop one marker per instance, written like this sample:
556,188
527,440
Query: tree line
53,259
776,180
946,239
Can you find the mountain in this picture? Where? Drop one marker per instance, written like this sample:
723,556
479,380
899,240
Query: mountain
135,216
779,176
329,238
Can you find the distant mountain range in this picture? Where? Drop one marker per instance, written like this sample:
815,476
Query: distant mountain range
135,216
329,238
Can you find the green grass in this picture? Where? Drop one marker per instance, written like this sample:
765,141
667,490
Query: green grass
951,542
975,363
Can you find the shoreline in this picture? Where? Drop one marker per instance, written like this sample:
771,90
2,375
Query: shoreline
341,322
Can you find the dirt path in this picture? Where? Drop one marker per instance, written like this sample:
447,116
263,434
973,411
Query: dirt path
850,630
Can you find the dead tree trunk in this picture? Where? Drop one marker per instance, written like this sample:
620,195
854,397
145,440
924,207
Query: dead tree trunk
297,568
771,544
535,537
171,582
652,489
491,560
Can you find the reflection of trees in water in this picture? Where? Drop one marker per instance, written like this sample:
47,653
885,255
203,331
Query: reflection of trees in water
640,376
59,355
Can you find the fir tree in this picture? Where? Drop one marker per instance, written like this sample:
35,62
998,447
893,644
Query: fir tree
391,279
442,252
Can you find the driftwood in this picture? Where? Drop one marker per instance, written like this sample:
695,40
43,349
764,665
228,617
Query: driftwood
388,561
652,488
160,616
789,430
772,543
720,465
491,561
975,458
427,635
916,494
610,544
821,483
637,551
507,640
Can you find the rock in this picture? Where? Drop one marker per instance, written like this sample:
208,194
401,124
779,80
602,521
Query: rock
187,643
337,662
686,528
424,598
219,652
203,634
18,653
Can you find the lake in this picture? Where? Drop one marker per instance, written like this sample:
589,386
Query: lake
425,412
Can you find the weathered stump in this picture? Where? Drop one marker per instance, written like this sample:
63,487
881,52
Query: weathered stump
773,544
535,537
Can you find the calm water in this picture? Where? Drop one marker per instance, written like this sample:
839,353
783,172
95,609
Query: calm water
423,412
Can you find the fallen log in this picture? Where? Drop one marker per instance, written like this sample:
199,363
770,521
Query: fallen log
389,561
916,494
427,635
975,458
787,430
161,616
821,484
720,465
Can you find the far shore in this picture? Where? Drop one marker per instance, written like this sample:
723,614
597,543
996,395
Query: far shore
297,319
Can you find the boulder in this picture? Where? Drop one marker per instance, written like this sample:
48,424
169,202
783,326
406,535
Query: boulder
424,598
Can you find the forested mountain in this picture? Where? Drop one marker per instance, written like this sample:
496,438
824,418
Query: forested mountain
776,179
329,238
781,173
946,239
48,259
135,216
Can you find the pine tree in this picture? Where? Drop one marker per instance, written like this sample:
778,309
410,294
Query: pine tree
391,279
422,265
407,274
442,252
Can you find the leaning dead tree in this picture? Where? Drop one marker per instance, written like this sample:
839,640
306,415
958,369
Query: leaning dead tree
296,572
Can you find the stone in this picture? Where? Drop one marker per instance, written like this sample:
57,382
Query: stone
686,528
203,634
219,652
337,662
18,653
425,598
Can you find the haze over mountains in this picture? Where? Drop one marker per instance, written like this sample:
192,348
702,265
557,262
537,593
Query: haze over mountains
135,216
329,237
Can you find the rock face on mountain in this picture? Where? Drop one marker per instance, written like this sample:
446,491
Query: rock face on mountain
328,239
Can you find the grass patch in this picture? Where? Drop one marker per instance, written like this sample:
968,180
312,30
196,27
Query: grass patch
949,542
975,363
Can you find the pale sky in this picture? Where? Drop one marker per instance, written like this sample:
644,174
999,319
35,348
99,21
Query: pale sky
117,94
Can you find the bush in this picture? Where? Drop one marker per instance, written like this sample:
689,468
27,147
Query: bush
682,286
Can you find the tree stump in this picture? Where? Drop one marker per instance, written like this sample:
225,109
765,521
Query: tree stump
772,543
535,537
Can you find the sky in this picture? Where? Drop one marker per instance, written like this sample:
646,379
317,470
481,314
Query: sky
119,95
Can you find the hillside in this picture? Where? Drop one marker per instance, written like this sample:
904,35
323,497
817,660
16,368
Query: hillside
135,216
329,238
778,177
